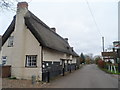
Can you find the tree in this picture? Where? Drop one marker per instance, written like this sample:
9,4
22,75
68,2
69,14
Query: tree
96,58
10,4
6,4
82,58
87,59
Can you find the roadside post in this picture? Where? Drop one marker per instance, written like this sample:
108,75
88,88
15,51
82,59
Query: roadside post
48,76
33,79
63,71
75,66
70,65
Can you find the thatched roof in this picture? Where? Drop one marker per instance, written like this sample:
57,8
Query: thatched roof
8,31
43,33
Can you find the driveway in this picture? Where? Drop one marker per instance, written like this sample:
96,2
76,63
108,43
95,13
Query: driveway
90,76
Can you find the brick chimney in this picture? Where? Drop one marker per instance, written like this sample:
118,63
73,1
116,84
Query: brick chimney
22,6
53,29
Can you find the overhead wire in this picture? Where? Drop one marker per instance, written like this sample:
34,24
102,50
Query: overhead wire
94,18
97,28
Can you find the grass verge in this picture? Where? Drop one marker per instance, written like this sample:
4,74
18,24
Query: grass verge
107,71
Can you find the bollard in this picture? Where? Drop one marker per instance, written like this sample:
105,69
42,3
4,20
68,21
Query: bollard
63,72
48,76
70,69
33,79
75,67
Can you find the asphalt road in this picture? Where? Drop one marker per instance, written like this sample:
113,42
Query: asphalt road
89,76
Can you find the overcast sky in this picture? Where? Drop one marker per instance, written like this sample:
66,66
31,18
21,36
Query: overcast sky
73,20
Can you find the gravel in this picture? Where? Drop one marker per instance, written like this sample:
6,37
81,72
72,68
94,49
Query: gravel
11,83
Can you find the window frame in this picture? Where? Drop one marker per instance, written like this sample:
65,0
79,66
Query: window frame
11,41
31,61
4,60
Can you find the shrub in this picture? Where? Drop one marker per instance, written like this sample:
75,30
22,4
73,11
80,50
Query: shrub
101,63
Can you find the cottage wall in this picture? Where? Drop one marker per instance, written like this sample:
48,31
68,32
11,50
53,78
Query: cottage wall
52,55
7,51
74,60
31,47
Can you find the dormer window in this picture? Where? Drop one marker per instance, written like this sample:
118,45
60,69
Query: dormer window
10,41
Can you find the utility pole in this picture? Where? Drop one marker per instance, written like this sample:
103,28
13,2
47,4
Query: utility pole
103,43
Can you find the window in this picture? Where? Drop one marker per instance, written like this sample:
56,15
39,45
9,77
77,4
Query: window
31,61
4,59
10,41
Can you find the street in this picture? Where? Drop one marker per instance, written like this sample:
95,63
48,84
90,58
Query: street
89,76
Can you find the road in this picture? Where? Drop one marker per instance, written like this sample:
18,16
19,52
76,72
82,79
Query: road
89,76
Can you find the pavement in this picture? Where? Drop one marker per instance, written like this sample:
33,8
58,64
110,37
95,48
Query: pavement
89,76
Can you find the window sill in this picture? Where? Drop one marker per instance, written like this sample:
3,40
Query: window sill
9,46
30,66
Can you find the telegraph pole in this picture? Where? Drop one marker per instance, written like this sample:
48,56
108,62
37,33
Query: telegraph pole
103,43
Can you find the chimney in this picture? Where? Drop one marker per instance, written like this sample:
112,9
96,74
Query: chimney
66,39
20,35
53,29
22,5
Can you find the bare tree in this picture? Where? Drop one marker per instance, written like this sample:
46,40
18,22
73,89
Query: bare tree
9,4
6,4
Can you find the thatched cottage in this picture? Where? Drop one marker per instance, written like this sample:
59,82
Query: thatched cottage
29,45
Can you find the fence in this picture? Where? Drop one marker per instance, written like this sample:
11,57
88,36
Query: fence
53,69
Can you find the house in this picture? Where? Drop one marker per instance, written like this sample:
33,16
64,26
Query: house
29,46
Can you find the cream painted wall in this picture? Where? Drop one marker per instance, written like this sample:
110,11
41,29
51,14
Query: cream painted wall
8,51
74,60
53,55
31,47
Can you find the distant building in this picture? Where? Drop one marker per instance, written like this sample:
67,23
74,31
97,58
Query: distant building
112,55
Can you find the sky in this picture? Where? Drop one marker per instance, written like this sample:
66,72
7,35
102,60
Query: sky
73,20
